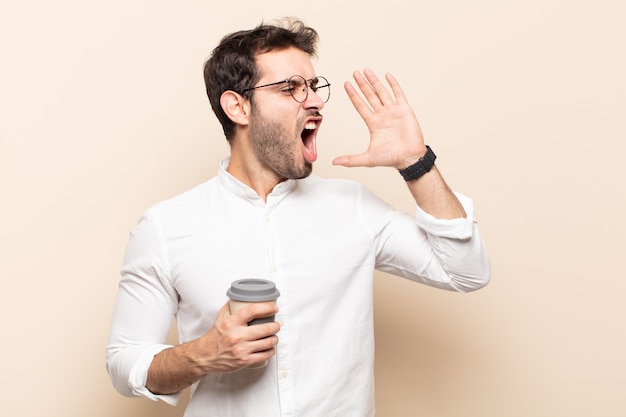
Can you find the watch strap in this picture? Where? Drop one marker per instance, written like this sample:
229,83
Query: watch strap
422,166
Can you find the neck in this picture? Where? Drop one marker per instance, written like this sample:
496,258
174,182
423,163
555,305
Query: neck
253,174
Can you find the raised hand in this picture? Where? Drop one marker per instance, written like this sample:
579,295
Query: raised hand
395,136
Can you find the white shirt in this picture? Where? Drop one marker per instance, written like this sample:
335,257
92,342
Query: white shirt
319,240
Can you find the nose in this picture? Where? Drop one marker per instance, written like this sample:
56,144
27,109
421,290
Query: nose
313,101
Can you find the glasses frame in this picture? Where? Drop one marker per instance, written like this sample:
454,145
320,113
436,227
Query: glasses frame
308,84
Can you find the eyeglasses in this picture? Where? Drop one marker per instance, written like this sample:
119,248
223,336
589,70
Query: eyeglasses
299,87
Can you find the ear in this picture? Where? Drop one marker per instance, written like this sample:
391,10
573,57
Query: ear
236,107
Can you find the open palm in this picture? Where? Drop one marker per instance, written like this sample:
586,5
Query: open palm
395,136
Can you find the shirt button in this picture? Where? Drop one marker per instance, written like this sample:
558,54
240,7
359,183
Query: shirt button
284,374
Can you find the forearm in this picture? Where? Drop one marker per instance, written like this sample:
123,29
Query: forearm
176,368
433,195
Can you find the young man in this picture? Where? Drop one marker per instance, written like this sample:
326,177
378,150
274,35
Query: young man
265,216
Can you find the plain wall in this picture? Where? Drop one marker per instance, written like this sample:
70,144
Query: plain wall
103,113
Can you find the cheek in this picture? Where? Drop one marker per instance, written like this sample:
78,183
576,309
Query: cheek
281,123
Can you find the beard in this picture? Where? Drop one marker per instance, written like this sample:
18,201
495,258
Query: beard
278,148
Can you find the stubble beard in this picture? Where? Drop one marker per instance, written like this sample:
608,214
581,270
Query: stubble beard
277,149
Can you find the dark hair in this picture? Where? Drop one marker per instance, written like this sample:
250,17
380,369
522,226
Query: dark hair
232,64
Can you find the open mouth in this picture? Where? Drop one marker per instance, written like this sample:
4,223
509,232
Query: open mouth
309,134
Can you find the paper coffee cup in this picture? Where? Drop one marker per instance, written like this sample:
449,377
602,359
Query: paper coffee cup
252,290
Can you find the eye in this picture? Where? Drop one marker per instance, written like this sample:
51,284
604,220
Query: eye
297,84
288,88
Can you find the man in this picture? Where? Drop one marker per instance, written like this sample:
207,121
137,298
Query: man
265,216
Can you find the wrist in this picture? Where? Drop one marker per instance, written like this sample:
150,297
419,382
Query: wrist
424,164
411,159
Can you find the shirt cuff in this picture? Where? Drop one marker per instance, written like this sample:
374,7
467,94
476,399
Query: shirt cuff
139,376
460,228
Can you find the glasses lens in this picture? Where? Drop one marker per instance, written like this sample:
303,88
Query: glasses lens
297,87
321,87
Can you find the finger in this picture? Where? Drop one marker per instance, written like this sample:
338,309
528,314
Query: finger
262,331
395,87
254,311
368,90
382,94
361,107
262,355
263,345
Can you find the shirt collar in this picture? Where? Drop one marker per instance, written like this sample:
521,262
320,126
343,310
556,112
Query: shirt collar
239,188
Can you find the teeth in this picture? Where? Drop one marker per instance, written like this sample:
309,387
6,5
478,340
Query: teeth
310,125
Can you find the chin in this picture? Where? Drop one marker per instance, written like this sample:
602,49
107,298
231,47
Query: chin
298,173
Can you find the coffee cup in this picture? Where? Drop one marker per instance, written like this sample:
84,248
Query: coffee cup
252,290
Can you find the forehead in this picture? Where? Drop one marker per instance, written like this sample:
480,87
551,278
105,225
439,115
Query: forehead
283,63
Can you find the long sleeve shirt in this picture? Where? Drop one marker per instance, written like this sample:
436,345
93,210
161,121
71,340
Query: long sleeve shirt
319,240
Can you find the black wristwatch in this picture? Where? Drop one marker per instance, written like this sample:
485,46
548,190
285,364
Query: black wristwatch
422,166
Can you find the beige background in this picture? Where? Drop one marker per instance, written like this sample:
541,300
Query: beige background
103,113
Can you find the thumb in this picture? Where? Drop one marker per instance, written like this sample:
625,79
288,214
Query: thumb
224,311
360,160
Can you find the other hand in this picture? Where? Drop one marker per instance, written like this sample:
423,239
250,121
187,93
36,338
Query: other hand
233,344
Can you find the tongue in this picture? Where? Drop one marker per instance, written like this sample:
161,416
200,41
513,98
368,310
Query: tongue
310,149
310,152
